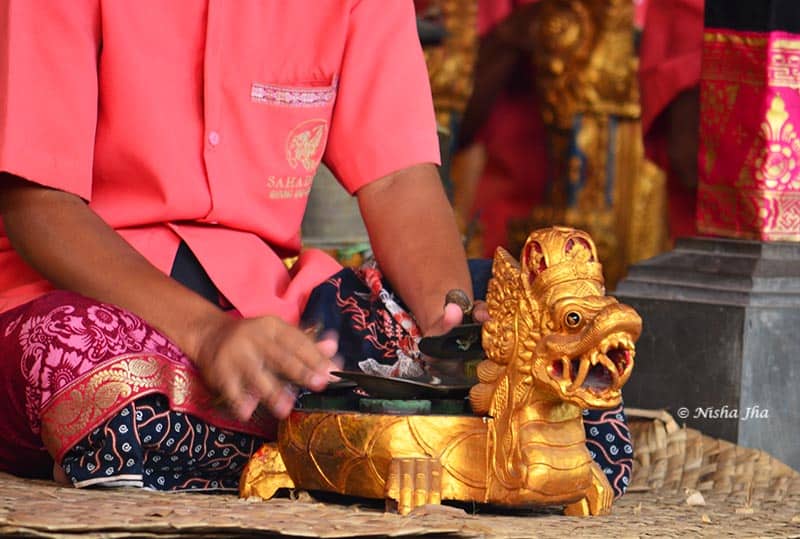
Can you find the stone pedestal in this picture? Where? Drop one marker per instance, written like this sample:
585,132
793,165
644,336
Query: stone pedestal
721,342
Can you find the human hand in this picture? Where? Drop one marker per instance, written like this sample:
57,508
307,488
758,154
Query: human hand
457,305
248,361
480,312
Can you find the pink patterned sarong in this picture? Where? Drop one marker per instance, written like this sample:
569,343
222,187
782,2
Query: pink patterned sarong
70,363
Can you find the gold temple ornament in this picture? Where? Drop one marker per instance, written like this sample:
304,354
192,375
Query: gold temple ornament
585,66
555,344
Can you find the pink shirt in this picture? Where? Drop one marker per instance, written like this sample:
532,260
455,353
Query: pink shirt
205,121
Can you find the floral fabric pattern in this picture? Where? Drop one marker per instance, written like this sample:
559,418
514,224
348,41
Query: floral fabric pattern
69,340
72,364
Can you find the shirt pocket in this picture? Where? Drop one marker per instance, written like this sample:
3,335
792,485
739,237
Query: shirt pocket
296,117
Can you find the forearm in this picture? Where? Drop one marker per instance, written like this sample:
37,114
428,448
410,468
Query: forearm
415,239
72,247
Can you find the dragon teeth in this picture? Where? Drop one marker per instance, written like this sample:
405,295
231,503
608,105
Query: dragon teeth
615,341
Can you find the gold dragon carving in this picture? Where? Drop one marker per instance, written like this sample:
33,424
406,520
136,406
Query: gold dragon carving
555,344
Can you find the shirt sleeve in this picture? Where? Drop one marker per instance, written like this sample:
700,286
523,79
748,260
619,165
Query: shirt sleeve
383,119
48,91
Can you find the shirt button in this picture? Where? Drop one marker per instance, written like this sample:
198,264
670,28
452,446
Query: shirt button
213,138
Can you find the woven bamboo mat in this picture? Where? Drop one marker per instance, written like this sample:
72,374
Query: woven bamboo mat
671,459
685,484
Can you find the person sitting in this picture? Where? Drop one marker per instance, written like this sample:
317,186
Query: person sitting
155,169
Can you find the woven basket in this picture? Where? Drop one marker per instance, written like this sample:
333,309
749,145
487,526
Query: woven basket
671,459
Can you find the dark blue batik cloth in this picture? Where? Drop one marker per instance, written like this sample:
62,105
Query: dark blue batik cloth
148,445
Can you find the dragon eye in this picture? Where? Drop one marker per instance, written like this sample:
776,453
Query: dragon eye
572,319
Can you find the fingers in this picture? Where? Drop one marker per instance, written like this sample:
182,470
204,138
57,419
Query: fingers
460,298
328,344
480,312
338,361
245,385
293,356
246,405
263,386
244,398
243,394
256,361
451,317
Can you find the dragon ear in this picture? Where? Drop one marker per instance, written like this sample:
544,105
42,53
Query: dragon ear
504,267
533,260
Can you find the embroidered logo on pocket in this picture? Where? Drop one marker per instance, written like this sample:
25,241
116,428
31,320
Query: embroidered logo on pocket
305,144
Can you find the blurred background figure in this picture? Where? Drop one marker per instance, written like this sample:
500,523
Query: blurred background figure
500,166
669,76
553,130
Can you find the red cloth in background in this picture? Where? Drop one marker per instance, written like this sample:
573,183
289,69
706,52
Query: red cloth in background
641,12
670,56
491,12
513,180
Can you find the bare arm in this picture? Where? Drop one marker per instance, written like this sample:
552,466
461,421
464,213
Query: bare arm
416,241
47,228
66,242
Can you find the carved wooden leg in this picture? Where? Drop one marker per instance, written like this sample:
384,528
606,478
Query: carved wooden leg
264,474
598,498
413,482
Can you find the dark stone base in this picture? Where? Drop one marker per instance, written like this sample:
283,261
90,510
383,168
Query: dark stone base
721,342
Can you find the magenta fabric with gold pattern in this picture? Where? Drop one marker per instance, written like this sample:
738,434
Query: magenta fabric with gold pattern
72,363
749,182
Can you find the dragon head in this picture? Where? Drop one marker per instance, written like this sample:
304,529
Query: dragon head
585,349
553,329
